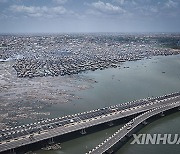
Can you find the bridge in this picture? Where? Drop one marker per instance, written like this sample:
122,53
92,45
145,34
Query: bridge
20,136
123,132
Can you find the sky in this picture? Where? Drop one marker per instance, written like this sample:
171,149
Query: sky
63,16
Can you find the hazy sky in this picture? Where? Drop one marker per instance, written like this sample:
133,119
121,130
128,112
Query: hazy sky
48,16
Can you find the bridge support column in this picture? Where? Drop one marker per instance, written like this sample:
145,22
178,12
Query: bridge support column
51,140
110,123
162,114
110,151
83,131
12,151
144,122
128,135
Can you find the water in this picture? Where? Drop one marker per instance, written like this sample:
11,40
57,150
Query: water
140,79
169,124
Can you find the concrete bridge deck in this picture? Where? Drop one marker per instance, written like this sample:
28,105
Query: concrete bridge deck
127,128
13,138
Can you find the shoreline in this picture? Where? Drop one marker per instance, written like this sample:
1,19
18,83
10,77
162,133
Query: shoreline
28,89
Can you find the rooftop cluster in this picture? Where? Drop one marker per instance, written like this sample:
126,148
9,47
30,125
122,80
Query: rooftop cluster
64,54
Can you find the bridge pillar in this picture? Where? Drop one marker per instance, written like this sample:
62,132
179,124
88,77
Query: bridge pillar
51,141
144,122
162,114
83,131
12,151
110,151
110,123
128,135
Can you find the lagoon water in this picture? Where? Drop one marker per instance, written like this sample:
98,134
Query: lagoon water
132,80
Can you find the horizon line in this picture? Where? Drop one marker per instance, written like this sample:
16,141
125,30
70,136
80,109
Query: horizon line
47,33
